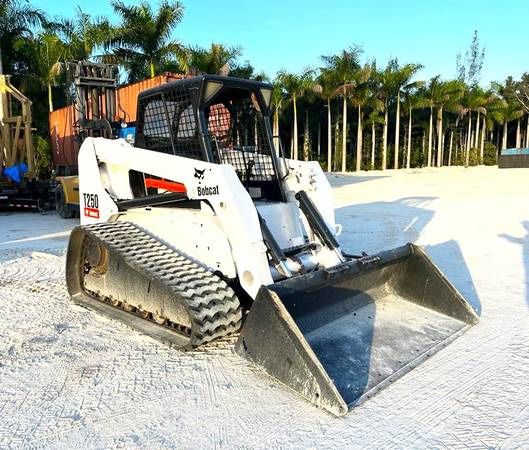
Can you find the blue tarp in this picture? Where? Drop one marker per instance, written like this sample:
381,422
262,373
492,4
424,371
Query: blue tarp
15,173
128,134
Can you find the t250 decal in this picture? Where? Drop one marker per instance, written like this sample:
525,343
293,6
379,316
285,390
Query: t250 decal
91,205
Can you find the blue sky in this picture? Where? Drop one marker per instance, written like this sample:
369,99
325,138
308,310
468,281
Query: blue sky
277,34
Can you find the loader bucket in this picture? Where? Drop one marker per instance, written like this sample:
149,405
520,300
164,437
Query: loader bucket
338,336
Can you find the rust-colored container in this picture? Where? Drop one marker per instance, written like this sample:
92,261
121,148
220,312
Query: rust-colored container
64,142
127,96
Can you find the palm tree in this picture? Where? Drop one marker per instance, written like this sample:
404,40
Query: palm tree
387,89
328,83
359,96
344,66
82,34
446,95
278,101
295,86
402,82
429,94
441,95
452,127
46,53
376,106
412,100
504,113
17,20
218,59
483,101
141,42
475,100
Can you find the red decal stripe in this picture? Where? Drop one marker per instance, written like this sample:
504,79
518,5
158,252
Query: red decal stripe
171,186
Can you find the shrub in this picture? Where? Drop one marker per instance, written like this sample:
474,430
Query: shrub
490,154
42,156
473,157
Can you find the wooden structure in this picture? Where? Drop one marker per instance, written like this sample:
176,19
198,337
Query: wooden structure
15,127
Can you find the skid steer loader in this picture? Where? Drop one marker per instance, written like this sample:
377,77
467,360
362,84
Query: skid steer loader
202,227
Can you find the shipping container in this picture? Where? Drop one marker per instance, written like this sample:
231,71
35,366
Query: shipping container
64,141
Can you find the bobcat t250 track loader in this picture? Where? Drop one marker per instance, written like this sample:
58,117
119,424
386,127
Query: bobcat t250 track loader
202,227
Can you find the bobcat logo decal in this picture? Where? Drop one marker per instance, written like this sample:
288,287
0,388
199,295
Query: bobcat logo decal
199,174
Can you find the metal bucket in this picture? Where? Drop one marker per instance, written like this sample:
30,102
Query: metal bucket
338,336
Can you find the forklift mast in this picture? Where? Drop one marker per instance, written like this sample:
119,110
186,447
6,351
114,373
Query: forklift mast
93,93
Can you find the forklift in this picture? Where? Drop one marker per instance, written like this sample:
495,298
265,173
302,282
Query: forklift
93,96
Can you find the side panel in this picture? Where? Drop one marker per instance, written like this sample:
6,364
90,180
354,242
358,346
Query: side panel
308,176
95,204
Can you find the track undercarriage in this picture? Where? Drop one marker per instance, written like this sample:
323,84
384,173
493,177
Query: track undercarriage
123,272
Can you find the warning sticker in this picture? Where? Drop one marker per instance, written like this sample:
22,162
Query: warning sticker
91,212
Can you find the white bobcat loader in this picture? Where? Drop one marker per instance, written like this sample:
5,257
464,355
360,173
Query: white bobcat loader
201,230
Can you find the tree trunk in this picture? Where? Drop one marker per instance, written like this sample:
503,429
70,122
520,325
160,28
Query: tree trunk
385,140
469,136
526,132
423,144
439,136
319,138
450,147
397,134
408,150
504,140
50,99
429,161
295,128
443,145
482,143
151,65
292,141
276,131
359,139
476,142
402,163
306,138
329,136
518,136
344,134
336,141
373,143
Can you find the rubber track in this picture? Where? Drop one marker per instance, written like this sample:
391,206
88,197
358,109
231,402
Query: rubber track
212,305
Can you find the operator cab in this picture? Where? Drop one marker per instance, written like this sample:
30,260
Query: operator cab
222,120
